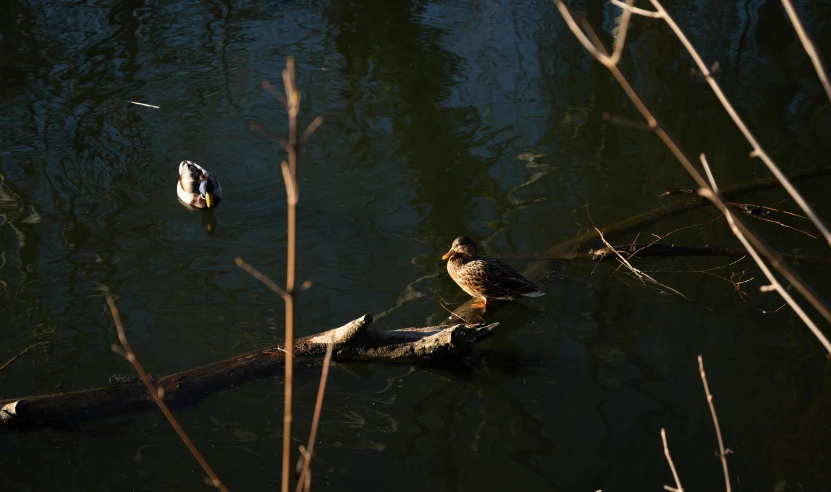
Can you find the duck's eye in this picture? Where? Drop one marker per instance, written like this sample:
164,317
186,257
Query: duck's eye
202,195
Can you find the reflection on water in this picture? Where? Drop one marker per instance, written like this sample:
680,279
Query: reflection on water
209,221
442,118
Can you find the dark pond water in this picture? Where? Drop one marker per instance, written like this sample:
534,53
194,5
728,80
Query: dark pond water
432,108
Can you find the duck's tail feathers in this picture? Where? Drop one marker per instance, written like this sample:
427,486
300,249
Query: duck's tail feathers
536,293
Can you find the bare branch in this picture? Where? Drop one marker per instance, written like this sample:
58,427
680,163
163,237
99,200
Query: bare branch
721,452
277,94
311,129
679,154
624,262
22,352
775,285
678,487
289,170
262,278
580,35
321,390
758,151
809,47
636,10
291,192
155,394
270,135
621,33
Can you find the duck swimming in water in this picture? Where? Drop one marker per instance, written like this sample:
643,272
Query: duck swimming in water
197,186
483,277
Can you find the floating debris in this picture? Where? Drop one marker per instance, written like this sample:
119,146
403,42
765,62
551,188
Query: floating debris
142,104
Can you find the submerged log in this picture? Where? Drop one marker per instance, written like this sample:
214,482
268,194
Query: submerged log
430,345
691,202
663,250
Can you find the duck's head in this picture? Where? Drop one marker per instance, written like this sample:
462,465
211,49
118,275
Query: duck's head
462,246
206,191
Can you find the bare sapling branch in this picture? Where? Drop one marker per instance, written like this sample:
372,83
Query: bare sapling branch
290,178
810,49
621,32
305,479
678,487
262,278
156,394
774,283
289,170
721,451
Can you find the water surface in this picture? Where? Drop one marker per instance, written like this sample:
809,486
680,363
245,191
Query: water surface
428,106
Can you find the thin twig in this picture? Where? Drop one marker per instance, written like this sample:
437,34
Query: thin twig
621,33
262,278
758,151
311,129
127,352
636,10
721,451
276,93
600,53
269,134
732,220
289,169
809,47
678,487
30,347
637,273
305,477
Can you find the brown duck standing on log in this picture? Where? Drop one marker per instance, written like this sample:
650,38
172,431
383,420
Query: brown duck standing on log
485,278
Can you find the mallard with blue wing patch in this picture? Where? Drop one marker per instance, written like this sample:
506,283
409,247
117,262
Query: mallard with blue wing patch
197,186
485,278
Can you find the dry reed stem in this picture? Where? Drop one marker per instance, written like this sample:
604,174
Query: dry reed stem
305,476
22,352
292,197
678,487
721,452
758,151
601,55
774,283
156,394
810,49
289,169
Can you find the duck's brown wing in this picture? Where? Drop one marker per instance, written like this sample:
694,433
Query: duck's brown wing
495,279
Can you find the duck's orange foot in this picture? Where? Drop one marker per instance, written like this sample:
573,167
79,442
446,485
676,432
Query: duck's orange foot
480,304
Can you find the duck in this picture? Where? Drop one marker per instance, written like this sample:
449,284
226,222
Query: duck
197,186
485,278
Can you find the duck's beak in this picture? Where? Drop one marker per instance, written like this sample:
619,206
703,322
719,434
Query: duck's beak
209,200
449,254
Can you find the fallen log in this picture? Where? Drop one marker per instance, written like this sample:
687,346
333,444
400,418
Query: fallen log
430,345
